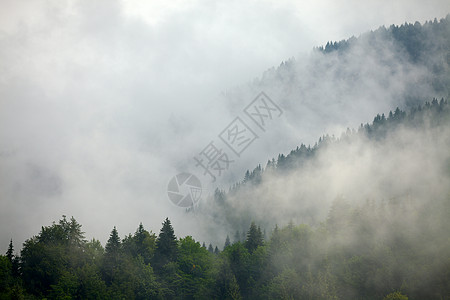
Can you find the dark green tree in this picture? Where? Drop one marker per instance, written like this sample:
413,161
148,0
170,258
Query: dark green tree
254,238
227,242
113,246
166,245
10,251
142,243
112,257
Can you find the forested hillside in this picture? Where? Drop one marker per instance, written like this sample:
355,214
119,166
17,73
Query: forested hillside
409,49
363,214
396,247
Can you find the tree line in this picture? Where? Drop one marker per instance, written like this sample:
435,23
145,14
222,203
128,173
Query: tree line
342,258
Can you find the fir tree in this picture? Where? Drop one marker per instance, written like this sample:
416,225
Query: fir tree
227,242
254,238
166,245
112,247
10,252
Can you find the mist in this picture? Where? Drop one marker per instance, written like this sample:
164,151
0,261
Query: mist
409,166
102,103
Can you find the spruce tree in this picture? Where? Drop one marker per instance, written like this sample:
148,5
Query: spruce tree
112,247
166,245
112,256
254,238
227,242
10,252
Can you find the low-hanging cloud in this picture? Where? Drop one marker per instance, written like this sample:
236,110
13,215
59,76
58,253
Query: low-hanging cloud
101,103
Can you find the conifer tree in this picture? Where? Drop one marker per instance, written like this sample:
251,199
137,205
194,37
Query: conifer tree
254,238
112,256
166,245
10,252
227,242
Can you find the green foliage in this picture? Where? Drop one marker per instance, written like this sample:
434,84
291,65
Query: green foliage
166,245
10,252
47,257
254,238
194,269
227,242
142,243
5,275
113,257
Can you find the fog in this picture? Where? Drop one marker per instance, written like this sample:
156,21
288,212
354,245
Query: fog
102,103
409,166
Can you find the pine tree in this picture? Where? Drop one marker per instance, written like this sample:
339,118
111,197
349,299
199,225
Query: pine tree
74,233
216,250
166,245
16,266
227,242
10,252
254,238
143,243
112,256
247,176
210,248
112,247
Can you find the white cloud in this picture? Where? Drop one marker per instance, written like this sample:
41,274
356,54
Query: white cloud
106,100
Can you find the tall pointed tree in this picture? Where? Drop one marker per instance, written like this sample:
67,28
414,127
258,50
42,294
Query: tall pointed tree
227,242
112,256
254,238
166,245
112,247
145,243
10,252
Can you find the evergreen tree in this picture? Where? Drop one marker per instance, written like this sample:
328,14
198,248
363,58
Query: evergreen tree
112,256
254,238
227,242
113,245
142,243
10,252
74,234
210,248
216,250
166,245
